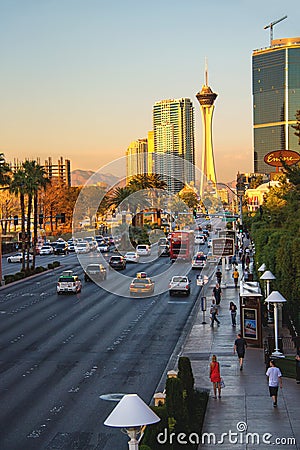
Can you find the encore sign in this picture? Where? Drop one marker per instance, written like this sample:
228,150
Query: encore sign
223,247
275,158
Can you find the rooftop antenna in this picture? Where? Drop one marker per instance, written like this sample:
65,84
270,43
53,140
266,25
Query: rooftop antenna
206,72
271,25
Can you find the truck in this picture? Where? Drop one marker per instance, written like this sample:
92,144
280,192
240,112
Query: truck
182,244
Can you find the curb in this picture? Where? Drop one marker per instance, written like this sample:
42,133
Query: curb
28,278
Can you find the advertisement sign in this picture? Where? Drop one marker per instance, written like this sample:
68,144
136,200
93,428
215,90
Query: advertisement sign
250,323
223,247
288,156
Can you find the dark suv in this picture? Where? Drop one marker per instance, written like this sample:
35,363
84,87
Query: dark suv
61,248
95,272
117,262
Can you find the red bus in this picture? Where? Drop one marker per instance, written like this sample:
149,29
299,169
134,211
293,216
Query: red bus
182,245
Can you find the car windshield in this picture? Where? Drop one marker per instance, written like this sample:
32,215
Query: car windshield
179,279
94,268
66,280
116,258
60,246
141,281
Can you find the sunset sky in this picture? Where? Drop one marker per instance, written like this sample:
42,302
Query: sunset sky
79,77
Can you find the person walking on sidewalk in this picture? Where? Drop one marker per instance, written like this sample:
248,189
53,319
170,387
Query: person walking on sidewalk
219,276
235,276
214,313
275,380
217,291
240,345
232,309
215,376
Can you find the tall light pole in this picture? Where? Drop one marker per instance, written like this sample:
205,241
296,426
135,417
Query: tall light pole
267,276
277,299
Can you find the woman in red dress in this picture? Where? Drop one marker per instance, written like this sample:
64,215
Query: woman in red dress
215,376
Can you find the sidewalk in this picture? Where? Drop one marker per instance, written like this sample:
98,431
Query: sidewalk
245,401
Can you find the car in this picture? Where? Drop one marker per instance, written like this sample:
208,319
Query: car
143,250
117,262
46,250
141,286
209,243
92,242
180,285
132,257
163,250
82,247
61,248
199,261
103,247
18,258
200,239
95,272
68,282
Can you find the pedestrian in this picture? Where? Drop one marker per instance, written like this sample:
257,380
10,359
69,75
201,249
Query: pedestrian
235,276
243,261
217,291
219,276
275,380
247,259
233,262
297,357
215,376
240,345
232,309
246,275
213,314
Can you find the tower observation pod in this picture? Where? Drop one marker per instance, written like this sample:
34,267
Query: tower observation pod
206,98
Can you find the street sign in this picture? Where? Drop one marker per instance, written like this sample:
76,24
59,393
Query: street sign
227,234
223,247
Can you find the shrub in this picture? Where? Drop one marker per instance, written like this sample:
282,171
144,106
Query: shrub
39,269
56,264
50,266
19,276
9,279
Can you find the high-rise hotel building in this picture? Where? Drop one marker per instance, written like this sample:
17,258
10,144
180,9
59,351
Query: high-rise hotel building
139,157
276,98
174,146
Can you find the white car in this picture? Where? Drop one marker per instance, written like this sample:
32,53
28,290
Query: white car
199,261
143,250
46,250
82,247
200,239
103,247
17,258
180,285
68,283
132,257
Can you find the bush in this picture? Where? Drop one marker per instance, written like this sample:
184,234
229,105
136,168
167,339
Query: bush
39,269
9,279
19,276
56,264
50,266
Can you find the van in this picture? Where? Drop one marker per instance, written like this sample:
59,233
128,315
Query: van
143,250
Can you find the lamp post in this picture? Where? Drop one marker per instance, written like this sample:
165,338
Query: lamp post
277,299
262,268
131,414
267,276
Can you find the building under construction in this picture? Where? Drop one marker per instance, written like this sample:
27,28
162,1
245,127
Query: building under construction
60,172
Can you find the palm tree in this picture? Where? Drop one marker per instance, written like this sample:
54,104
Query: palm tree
147,181
35,180
4,171
18,187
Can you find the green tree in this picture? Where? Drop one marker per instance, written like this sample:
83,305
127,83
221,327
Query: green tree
18,187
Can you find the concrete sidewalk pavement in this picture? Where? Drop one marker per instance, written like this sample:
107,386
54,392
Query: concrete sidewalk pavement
245,405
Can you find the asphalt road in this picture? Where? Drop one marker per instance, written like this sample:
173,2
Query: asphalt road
58,354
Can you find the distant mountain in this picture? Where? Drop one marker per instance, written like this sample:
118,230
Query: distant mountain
80,177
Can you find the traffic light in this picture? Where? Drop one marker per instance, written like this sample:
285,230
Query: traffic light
41,219
195,213
241,228
16,220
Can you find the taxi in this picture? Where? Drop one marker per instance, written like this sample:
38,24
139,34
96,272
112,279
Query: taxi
68,282
141,286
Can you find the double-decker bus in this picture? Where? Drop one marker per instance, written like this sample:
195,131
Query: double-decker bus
182,245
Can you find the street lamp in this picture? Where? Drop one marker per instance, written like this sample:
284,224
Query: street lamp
267,276
277,299
262,268
131,414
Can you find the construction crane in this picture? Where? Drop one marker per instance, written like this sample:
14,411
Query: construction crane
271,25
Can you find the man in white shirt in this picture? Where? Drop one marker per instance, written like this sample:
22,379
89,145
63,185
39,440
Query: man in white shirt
275,380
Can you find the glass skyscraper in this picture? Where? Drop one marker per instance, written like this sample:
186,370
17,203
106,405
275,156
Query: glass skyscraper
173,127
276,98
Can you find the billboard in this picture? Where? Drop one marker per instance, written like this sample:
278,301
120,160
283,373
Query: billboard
223,247
275,158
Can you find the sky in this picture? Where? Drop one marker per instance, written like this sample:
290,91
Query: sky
79,78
